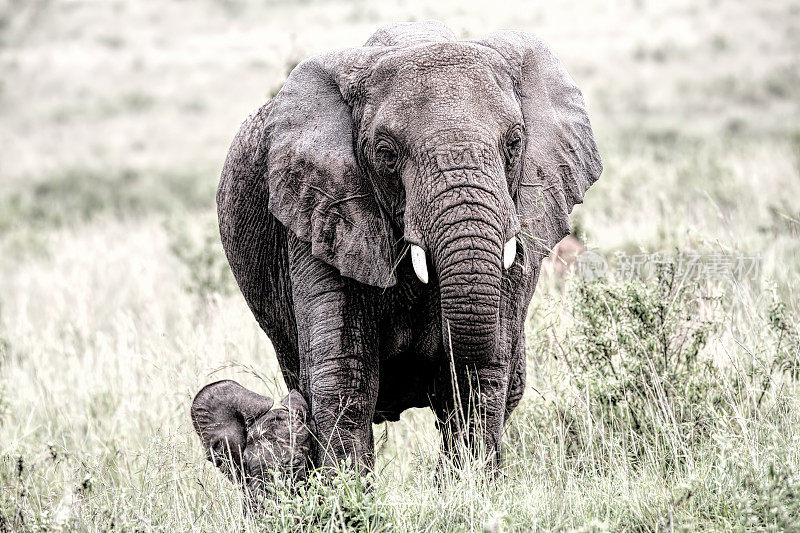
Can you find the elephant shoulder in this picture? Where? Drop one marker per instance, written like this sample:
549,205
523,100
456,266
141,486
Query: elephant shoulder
247,155
255,242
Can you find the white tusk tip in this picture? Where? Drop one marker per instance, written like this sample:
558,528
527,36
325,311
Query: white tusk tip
509,253
419,263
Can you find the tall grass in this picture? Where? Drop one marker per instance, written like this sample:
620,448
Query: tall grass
710,440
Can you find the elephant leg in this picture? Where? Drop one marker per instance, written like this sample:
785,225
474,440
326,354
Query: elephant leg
470,411
337,339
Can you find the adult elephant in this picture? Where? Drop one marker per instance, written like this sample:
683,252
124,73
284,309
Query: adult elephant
468,154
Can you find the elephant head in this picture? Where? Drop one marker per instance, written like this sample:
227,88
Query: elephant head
246,438
461,149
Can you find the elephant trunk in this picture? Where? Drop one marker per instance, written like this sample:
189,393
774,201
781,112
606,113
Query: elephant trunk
467,248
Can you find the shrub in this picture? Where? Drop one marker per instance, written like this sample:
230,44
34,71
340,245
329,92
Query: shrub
635,359
776,355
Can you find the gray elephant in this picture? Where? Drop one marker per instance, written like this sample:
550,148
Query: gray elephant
467,156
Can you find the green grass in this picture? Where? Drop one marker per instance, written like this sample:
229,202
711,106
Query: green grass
116,305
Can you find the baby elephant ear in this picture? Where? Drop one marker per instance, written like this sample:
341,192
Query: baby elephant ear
561,159
317,188
298,415
299,435
221,412
295,402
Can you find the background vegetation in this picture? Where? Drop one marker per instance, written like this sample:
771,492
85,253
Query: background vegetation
656,404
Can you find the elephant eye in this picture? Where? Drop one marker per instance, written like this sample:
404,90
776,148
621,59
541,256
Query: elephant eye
513,146
385,157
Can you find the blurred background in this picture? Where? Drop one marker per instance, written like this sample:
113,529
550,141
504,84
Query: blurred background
116,303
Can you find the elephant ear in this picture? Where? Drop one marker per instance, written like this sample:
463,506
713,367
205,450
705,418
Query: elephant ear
316,186
561,158
221,413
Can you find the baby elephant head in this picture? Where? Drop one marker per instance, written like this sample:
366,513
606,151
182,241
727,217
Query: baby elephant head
247,439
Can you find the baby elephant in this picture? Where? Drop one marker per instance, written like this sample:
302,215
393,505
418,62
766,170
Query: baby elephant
247,439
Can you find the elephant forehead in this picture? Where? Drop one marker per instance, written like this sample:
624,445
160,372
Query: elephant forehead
441,74
438,55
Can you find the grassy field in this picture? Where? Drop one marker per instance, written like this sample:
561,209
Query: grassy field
663,404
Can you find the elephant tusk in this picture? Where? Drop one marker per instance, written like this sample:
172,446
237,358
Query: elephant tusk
509,252
419,263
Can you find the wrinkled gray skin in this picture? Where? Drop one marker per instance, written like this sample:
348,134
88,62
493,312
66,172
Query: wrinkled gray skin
414,138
